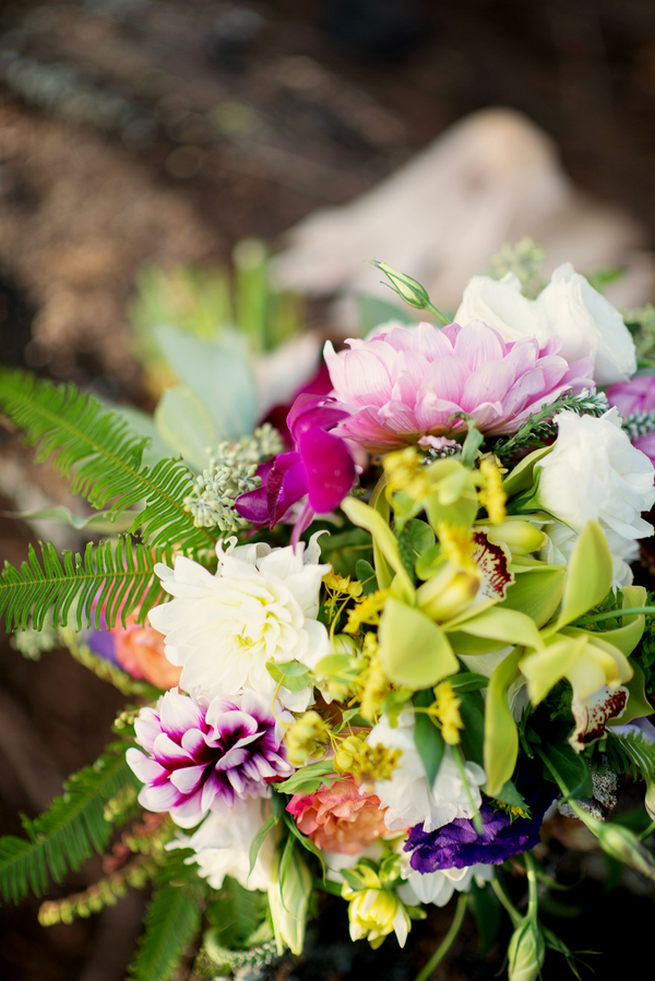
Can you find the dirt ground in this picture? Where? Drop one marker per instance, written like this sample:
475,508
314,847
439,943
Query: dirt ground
164,131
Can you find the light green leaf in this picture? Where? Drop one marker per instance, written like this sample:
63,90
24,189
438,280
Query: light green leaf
372,312
414,651
308,779
366,517
537,593
522,476
501,741
589,575
501,624
103,524
543,669
291,674
259,840
186,426
218,373
427,738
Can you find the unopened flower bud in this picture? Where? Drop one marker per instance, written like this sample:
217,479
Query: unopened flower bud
405,286
526,951
623,845
447,593
521,537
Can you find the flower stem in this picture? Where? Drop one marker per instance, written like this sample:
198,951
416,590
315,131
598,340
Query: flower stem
505,901
437,313
615,614
447,941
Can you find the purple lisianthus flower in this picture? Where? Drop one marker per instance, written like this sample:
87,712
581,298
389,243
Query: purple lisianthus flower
458,845
320,466
632,397
198,758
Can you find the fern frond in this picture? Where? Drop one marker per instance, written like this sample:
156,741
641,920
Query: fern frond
637,750
107,578
73,827
173,920
96,446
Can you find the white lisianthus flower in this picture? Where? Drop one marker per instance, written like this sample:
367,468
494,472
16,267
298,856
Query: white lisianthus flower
500,304
261,605
595,473
407,795
222,843
588,324
438,887
568,308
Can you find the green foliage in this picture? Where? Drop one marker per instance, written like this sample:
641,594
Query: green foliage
632,751
74,826
539,427
173,920
103,456
96,584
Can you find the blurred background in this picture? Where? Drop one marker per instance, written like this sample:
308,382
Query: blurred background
146,135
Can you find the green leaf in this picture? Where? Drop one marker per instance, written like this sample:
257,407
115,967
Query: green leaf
589,576
308,778
500,624
427,738
104,524
471,444
259,840
501,741
521,478
103,456
70,831
218,372
365,572
571,768
107,579
291,674
173,920
186,426
414,651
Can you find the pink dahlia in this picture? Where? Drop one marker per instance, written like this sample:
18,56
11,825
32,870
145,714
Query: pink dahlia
197,758
636,397
339,818
403,384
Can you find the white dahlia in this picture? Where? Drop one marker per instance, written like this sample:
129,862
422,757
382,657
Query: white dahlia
260,606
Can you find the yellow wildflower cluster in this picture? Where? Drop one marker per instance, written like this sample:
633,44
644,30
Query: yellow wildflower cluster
368,610
307,738
446,709
375,688
491,494
365,763
405,471
339,590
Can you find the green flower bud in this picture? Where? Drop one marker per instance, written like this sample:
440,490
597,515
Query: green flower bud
622,844
408,289
526,951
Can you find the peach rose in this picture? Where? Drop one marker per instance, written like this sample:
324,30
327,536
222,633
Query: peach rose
339,818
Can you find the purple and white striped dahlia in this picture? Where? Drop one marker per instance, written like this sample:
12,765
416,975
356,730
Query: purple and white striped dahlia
197,759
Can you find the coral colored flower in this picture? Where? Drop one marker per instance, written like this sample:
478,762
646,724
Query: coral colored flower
197,758
140,652
636,396
320,466
339,818
404,384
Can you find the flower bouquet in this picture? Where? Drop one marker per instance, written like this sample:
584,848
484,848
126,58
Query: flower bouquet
370,649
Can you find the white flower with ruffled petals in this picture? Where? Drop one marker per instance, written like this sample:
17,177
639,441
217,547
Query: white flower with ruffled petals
260,606
408,797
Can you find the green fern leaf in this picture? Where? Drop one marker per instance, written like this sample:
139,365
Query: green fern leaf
104,582
73,827
173,920
104,457
637,750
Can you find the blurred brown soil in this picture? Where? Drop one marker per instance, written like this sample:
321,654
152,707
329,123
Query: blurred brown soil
136,131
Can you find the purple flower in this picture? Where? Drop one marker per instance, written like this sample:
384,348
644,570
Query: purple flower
636,396
197,758
458,845
320,466
402,384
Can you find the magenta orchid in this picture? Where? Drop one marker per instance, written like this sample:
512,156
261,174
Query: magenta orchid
320,466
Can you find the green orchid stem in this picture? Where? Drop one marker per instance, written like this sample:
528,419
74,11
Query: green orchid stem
615,614
437,313
448,940
531,870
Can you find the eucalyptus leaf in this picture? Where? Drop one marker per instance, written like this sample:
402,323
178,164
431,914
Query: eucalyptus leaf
218,372
186,426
